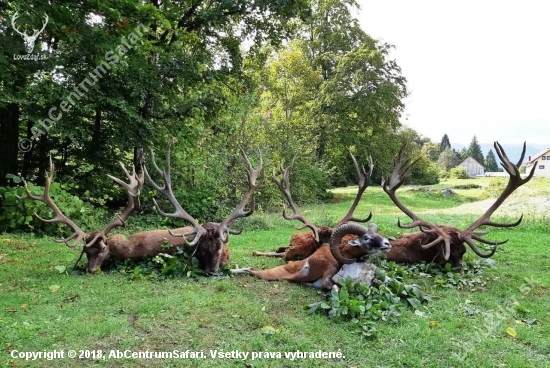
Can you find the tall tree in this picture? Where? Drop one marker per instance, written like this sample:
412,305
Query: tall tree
445,143
491,161
176,78
431,151
474,150
448,159
362,88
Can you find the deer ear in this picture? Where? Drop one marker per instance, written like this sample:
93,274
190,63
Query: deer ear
373,228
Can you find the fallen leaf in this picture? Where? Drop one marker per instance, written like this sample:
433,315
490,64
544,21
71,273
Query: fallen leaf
433,323
24,306
12,310
510,331
518,322
263,309
269,330
54,288
60,269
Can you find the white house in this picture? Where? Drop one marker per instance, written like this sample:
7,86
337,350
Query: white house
543,163
472,167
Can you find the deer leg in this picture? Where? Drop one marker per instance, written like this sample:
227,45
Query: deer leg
268,254
242,271
318,284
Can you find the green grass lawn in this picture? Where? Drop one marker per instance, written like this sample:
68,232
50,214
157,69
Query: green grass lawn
44,310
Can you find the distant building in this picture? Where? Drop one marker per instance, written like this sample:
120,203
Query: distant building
472,167
543,163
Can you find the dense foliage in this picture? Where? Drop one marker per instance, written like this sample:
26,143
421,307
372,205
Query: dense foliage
114,80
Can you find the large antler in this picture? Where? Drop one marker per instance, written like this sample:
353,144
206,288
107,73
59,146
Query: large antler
240,212
514,182
133,188
60,217
364,180
401,170
166,189
284,186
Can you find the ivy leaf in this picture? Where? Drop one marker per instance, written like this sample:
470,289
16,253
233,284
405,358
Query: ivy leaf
415,303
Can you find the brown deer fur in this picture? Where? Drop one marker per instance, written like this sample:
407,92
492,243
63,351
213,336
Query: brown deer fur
319,268
405,249
146,243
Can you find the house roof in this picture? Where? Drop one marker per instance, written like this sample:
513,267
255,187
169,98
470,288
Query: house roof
470,158
537,156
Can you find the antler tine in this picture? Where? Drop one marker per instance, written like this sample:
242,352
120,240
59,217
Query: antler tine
240,211
166,190
514,182
364,181
284,187
59,215
133,188
401,170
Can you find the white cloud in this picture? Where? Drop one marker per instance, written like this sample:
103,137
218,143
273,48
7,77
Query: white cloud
473,67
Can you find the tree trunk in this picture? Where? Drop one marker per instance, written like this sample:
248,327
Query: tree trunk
9,134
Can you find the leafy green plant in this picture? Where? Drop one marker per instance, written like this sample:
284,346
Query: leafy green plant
364,304
165,266
445,277
467,186
18,215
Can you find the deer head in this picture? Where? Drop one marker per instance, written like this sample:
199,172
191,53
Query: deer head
95,243
449,240
28,40
206,240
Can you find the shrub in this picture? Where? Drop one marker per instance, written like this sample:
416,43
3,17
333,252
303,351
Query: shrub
459,173
425,172
18,215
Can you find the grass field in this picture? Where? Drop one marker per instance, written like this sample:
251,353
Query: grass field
42,310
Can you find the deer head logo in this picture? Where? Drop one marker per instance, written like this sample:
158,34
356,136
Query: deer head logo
29,40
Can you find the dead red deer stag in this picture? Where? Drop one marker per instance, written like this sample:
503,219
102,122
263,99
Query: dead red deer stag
306,243
318,269
209,241
97,246
441,243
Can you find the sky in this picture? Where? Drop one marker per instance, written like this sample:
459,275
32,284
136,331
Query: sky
473,67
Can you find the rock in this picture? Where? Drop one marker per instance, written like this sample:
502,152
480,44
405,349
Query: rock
448,192
362,272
